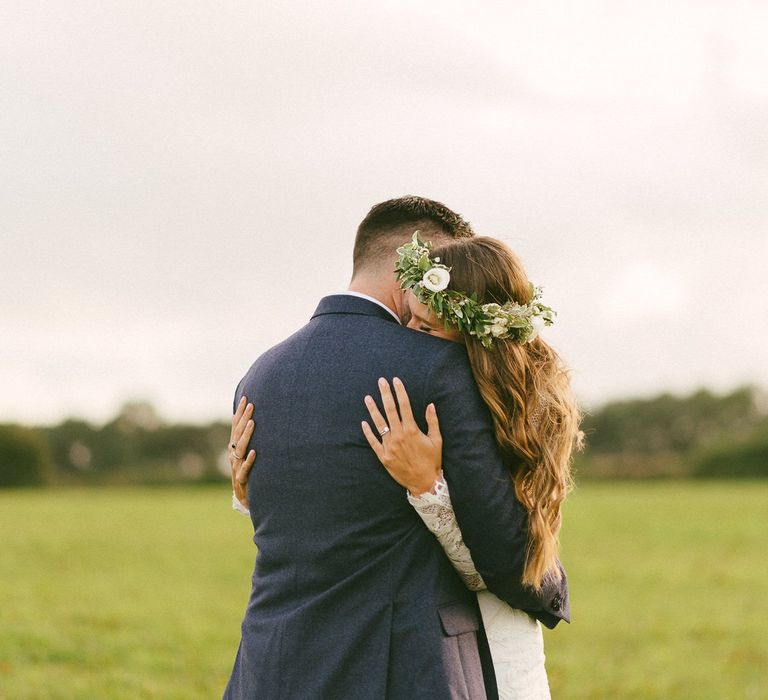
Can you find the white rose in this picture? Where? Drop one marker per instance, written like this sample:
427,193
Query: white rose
436,279
538,324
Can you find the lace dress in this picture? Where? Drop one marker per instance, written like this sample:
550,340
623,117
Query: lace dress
514,637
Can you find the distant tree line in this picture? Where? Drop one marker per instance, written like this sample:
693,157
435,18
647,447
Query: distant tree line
136,446
699,435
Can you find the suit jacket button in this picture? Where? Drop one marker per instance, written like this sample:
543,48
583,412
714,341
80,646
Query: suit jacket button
556,602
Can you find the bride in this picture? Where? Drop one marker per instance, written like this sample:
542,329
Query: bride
475,291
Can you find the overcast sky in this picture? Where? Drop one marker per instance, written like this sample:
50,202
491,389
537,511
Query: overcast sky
181,182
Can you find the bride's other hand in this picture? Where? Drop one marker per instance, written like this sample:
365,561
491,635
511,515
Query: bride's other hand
412,458
239,437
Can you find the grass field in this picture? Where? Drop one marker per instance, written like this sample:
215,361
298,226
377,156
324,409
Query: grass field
138,593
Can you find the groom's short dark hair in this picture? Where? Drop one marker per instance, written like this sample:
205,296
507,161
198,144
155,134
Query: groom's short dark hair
392,223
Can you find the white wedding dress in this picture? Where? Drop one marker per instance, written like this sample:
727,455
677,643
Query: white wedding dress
514,637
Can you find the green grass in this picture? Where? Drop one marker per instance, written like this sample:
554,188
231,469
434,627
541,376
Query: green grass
120,593
139,593
669,592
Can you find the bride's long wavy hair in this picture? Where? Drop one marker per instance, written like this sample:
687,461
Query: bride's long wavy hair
527,389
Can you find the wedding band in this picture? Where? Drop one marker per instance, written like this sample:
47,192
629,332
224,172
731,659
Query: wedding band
383,431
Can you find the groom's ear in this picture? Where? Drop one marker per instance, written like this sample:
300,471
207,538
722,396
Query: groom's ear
399,300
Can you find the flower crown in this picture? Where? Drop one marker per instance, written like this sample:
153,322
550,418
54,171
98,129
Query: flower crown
428,279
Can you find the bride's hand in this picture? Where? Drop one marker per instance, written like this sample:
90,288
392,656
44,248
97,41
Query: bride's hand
412,458
239,437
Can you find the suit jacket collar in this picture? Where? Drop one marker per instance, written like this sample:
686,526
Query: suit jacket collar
348,304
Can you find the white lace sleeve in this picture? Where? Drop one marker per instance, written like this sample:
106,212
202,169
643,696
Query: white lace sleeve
239,507
436,510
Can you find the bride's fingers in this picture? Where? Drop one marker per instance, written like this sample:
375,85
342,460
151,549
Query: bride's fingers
433,425
242,443
378,420
406,414
240,408
236,418
240,427
390,408
376,446
245,468
247,415
239,412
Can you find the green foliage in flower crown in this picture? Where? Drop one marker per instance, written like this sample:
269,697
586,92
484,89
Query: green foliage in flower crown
428,279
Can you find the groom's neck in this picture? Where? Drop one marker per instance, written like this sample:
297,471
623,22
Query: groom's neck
381,290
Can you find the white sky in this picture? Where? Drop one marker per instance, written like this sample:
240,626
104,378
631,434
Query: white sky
181,182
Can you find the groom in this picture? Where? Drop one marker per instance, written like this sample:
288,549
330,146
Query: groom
352,597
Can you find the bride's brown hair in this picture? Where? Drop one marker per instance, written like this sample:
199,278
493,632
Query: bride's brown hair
527,389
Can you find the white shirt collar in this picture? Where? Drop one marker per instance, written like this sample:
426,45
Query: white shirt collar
375,301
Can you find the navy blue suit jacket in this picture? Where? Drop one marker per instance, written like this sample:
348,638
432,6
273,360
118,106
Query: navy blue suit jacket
352,596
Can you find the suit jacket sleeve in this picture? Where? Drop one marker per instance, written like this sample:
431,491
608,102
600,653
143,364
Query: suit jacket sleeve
493,522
